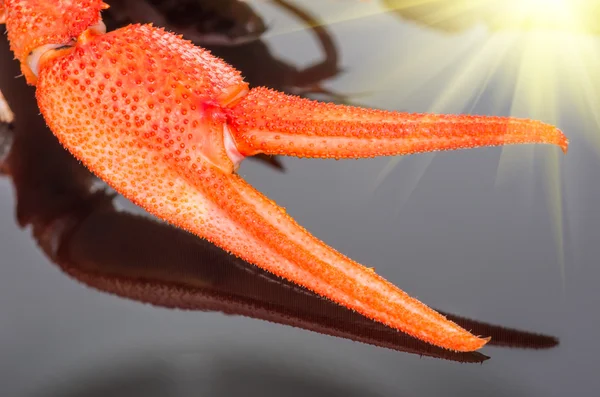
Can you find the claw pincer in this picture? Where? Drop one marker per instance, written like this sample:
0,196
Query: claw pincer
166,124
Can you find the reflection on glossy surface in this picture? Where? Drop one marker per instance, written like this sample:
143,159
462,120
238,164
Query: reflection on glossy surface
216,22
6,114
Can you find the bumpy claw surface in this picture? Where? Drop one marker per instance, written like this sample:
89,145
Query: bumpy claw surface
270,122
32,24
166,123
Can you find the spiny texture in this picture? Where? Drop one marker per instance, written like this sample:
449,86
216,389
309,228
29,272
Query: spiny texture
144,110
143,83
267,121
34,23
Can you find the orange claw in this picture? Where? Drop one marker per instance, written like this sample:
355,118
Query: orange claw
270,122
165,124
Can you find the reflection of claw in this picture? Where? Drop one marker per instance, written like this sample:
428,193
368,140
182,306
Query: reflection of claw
166,267
6,115
317,90
6,141
505,337
325,69
209,22
6,132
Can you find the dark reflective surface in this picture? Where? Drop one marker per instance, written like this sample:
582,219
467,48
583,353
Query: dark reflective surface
208,22
453,239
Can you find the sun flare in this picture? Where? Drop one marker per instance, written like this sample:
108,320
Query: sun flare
565,15
542,57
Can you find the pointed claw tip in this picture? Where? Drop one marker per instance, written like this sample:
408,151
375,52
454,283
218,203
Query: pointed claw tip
564,141
559,138
470,344
477,343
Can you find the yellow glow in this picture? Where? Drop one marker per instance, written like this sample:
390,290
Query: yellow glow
540,56
452,15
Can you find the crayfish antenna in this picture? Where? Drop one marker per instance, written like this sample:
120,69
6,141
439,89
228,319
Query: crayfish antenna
270,122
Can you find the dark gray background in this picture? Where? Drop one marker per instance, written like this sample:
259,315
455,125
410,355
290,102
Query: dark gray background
506,236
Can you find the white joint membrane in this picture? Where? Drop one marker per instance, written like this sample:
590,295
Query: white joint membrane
33,60
234,155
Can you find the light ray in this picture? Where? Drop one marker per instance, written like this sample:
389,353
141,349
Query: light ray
531,51
535,49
